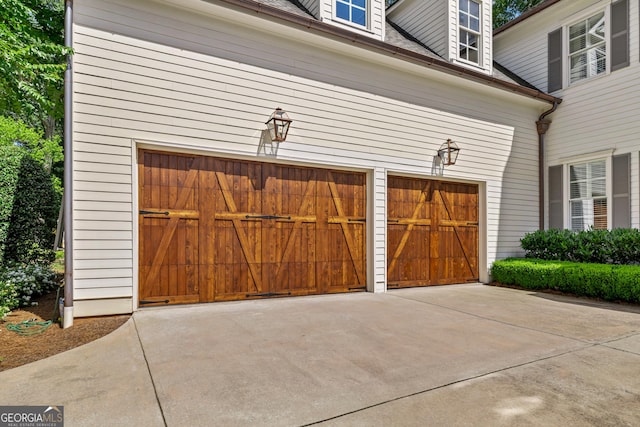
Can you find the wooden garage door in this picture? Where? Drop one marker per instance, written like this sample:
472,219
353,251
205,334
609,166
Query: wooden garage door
432,232
216,229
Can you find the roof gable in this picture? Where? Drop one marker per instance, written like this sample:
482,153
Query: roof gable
397,43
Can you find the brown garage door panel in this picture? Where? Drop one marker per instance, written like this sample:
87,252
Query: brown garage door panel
258,229
169,230
432,232
412,267
169,273
408,231
342,198
457,213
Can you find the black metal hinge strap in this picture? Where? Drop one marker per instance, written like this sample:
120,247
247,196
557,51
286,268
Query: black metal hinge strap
268,294
164,301
153,213
267,217
357,219
393,220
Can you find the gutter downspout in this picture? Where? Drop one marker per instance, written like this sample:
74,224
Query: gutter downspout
68,170
542,125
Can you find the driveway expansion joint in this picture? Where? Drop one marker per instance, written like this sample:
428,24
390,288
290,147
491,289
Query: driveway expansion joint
452,383
616,339
495,320
153,383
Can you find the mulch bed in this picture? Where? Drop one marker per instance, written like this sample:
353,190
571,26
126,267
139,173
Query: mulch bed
17,350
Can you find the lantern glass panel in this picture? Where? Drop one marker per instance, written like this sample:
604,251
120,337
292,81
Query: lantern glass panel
278,125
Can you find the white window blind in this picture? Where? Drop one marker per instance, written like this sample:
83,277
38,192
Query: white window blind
587,48
588,195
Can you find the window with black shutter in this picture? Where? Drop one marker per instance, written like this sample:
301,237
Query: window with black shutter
621,186
554,70
619,34
555,198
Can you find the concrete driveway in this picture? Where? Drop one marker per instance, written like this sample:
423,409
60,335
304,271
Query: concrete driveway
467,355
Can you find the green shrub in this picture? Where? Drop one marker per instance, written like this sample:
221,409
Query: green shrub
606,281
20,283
549,244
28,208
618,246
626,245
8,298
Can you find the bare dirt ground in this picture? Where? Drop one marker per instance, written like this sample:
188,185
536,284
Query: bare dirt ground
17,350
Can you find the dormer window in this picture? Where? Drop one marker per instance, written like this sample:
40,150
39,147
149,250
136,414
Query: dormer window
469,31
354,11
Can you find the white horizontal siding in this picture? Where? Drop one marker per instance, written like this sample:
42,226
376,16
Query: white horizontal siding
102,307
525,54
104,196
104,273
487,36
95,165
377,16
142,75
103,186
95,244
102,254
83,205
103,293
380,228
102,176
104,283
312,6
102,225
102,235
424,20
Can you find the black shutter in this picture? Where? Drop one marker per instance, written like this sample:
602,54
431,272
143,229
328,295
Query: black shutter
555,198
619,34
554,63
621,186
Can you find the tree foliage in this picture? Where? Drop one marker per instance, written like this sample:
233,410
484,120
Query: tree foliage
32,61
46,151
506,10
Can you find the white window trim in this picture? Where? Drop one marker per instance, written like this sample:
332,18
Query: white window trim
607,156
335,18
480,35
566,62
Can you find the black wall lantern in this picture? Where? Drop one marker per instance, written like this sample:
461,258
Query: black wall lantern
448,153
278,125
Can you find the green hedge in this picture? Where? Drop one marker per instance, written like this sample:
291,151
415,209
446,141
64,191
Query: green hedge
28,208
618,246
605,281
